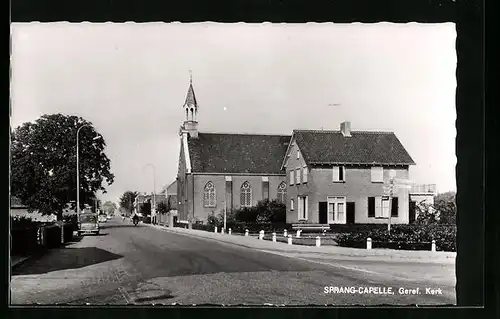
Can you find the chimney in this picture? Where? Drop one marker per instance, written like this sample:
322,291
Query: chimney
345,128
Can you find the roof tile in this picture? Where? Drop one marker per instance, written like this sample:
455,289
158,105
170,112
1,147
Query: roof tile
237,153
363,147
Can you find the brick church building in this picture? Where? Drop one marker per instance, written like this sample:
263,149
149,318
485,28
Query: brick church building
324,177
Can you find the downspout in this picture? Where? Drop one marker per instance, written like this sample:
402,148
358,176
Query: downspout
192,177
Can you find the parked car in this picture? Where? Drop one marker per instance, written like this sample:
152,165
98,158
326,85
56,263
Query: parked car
88,224
108,217
102,219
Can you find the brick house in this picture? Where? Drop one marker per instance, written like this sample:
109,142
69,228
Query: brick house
338,177
323,176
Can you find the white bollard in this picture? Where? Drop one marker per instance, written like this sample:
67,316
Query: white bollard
222,230
246,232
274,237
285,234
298,233
433,246
215,229
318,241
261,235
289,239
368,243
229,231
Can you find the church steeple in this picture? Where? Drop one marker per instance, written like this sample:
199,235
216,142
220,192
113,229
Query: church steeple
191,110
190,105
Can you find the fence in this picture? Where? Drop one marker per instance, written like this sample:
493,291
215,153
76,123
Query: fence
36,238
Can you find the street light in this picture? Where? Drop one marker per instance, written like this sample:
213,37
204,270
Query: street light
153,210
78,168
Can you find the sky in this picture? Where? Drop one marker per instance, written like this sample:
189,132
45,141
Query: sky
130,80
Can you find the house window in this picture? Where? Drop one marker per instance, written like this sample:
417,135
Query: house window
303,210
282,192
292,204
338,174
377,175
304,174
292,179
209,195
298,175
298,154
246,195
381,207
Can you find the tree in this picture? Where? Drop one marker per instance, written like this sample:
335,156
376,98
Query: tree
109,207
445,204
163,207
127,201
43,163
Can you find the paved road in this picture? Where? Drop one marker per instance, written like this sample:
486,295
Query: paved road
144,265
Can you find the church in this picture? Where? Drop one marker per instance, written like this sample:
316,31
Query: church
324,177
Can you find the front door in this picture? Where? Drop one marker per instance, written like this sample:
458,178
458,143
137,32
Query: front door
323,212
336,210
350,212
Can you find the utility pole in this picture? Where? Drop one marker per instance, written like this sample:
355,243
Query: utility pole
391,193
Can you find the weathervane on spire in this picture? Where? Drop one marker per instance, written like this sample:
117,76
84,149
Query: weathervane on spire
190,76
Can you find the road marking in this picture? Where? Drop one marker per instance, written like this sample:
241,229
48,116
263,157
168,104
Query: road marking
336,265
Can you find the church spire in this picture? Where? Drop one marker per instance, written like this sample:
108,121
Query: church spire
191,110
190,104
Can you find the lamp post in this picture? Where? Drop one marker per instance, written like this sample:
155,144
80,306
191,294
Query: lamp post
78,168
153,209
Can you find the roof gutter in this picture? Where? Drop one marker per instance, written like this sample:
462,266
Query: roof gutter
359,163
239,174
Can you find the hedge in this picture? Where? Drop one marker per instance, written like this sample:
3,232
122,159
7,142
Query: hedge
408,237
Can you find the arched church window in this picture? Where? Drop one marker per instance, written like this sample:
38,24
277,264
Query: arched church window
246,195
282,192
209,195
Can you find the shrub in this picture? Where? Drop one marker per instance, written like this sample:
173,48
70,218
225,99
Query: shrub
266,211
410,237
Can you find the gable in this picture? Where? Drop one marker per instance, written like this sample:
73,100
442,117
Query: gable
331,147
237,153
290,161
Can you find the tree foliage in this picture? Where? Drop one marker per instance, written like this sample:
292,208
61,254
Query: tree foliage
127,201
163,207
109,207
266,211
43,163
443,211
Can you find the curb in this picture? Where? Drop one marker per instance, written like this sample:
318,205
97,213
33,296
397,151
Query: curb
21,262
275,250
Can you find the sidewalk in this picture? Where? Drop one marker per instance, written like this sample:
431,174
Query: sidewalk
330,251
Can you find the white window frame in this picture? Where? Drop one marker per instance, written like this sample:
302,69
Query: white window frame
281,190
381,207
298,154
377,174
292,204
336,173
249,203
335,201
206,193
303,209
304,174
292,177
297,177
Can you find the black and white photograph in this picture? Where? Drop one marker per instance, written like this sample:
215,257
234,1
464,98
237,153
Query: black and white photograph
236,164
